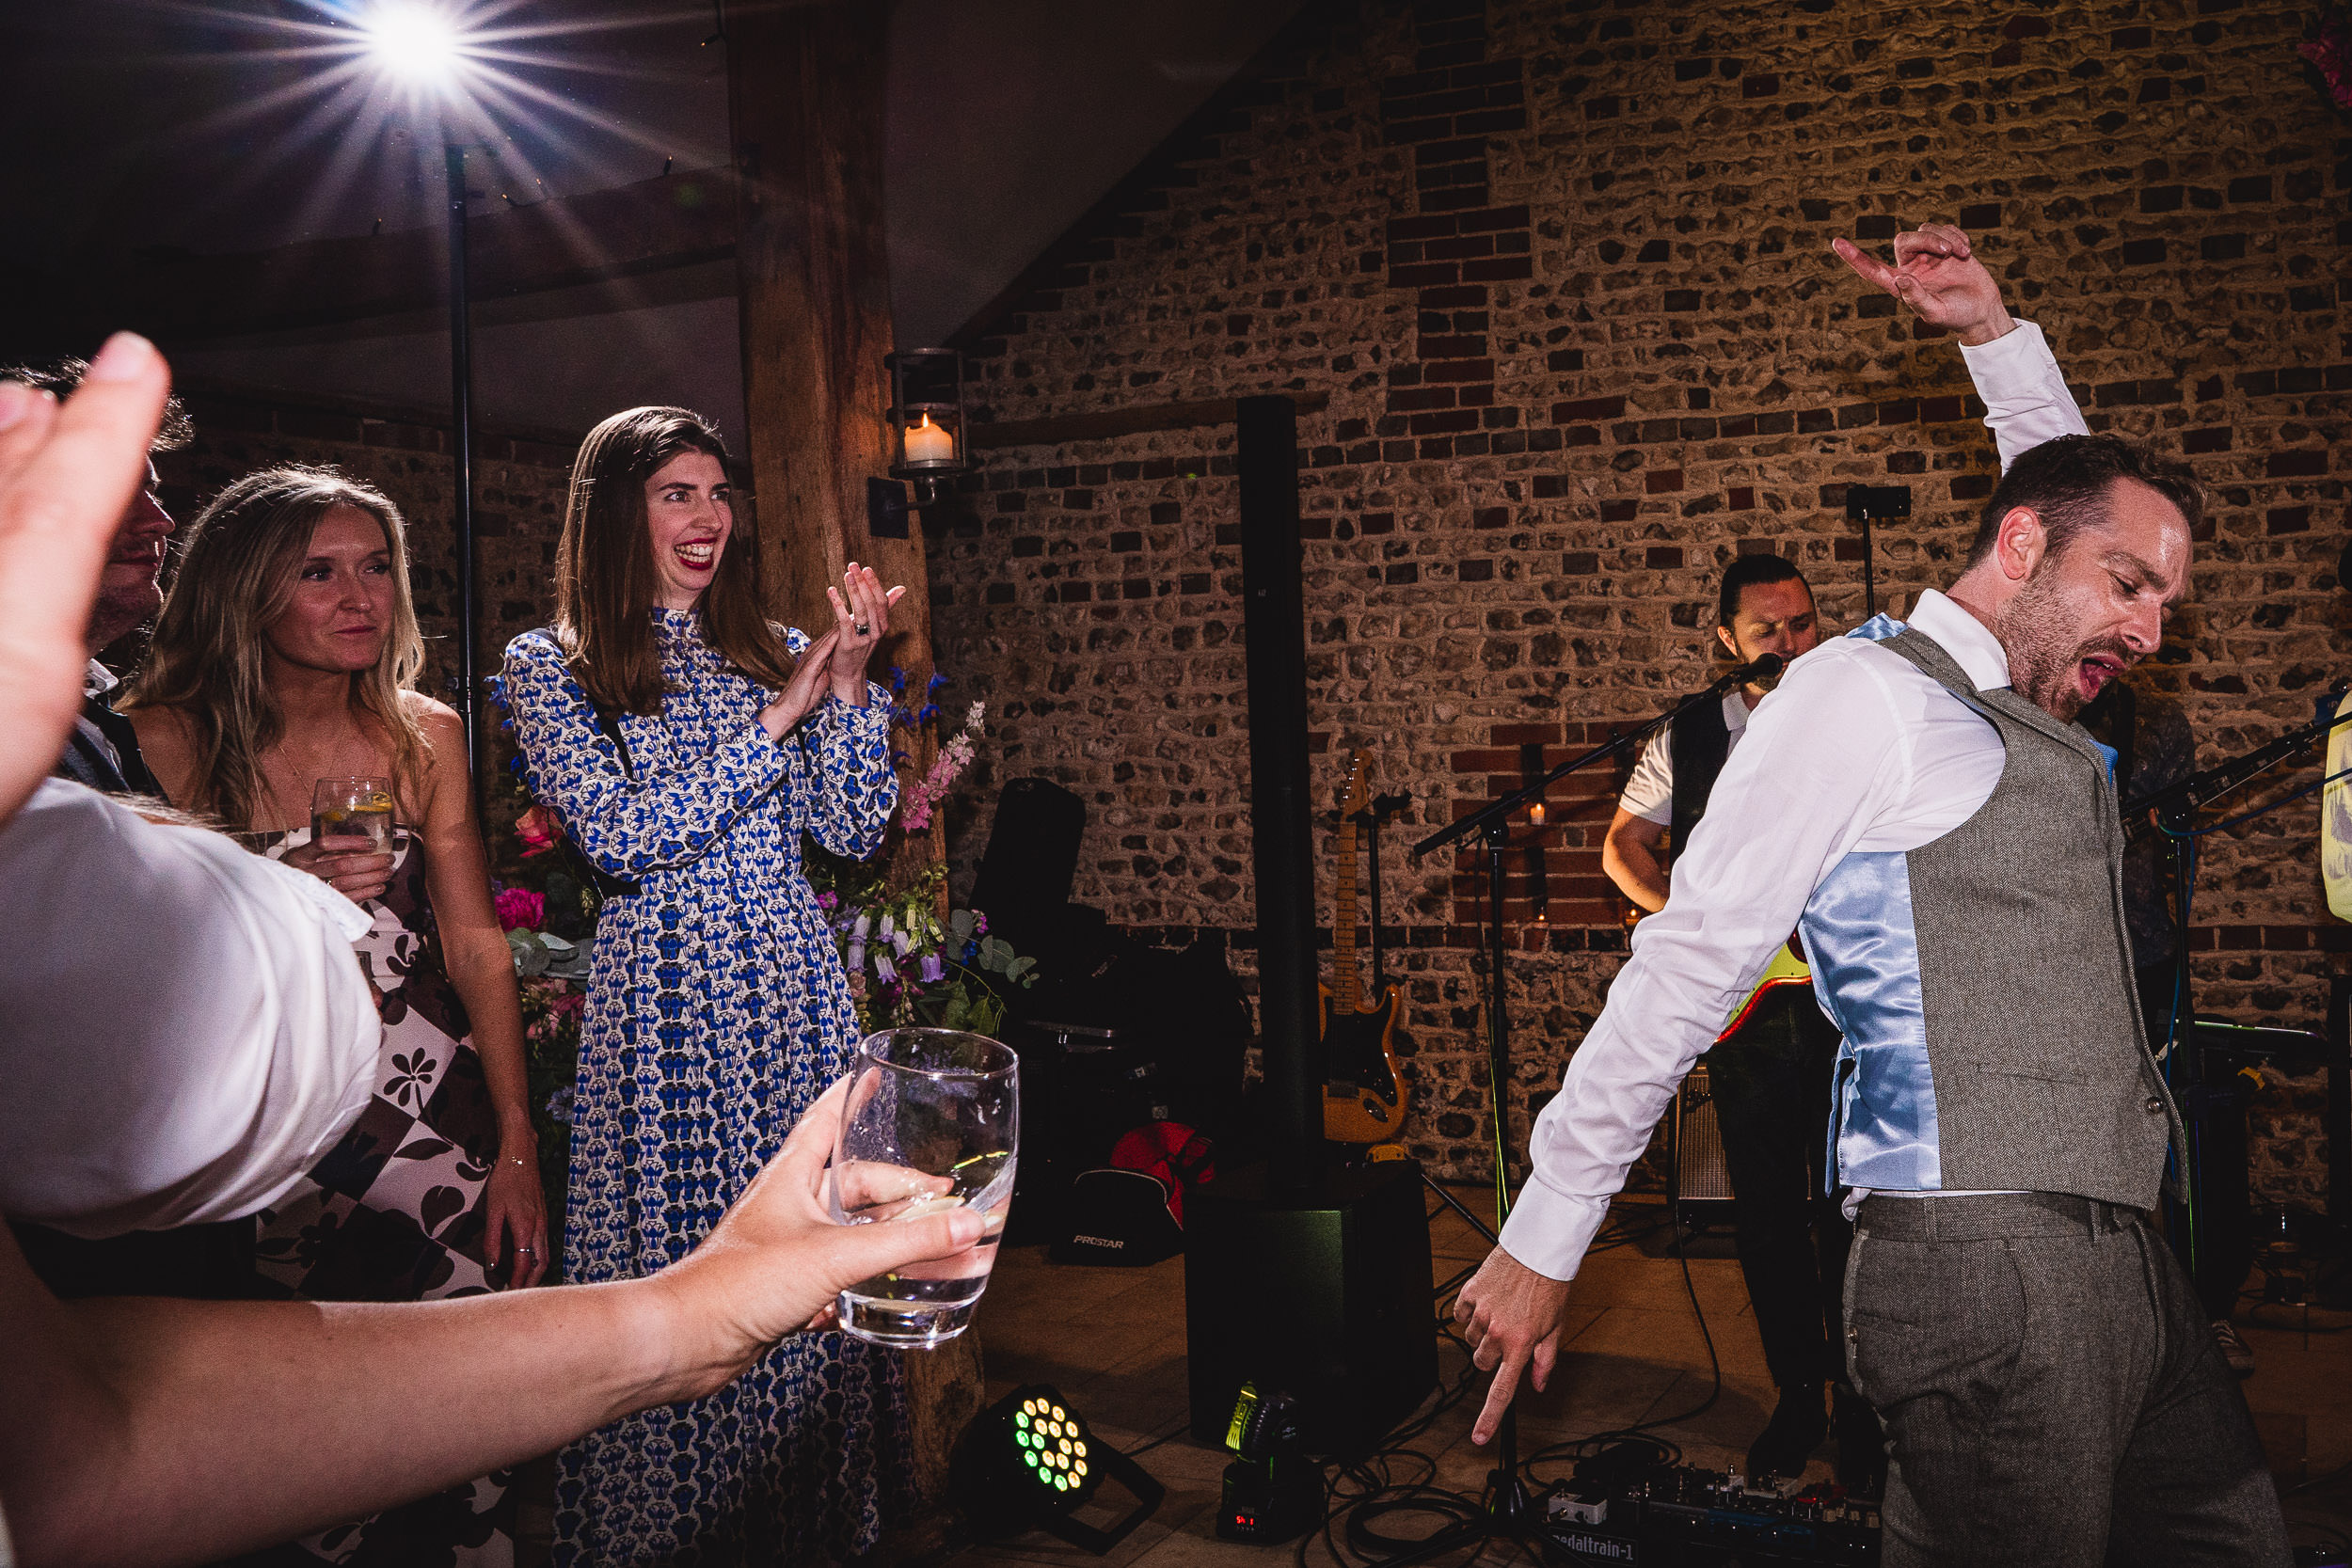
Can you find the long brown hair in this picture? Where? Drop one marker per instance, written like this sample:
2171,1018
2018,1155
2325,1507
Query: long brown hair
238,564
604,572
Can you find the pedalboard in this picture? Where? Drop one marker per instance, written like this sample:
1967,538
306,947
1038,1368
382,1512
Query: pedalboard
1681,1517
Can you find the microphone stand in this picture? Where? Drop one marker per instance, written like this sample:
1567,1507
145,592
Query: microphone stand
1511,1512
2175,806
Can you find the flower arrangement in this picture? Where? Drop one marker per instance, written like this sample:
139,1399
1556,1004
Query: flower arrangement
908,966
924,796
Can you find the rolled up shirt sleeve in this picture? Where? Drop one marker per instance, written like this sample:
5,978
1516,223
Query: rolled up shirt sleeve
185,1028
1649,793
1822,756
2026,398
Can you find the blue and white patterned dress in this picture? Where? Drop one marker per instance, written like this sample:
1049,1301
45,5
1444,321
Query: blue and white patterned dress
716,1011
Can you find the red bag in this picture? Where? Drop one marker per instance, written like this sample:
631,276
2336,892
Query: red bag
1175,1155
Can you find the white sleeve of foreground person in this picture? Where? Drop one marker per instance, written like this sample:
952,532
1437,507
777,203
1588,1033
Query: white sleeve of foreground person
1826,758
185,1029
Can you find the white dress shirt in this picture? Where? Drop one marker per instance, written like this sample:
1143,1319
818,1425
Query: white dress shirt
1858,750
185,1029
1649,794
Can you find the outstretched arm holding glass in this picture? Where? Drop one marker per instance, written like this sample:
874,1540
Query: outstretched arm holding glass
136,1429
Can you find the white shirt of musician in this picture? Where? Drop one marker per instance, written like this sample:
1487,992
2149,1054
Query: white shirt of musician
1857,751
1649,794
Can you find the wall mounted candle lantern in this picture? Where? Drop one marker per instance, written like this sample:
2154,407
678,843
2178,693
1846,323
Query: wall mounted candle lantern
927,419
927,439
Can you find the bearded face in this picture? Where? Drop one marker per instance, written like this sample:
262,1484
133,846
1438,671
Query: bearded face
2050,664
2094,607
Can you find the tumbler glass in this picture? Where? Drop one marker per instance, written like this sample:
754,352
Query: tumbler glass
933,1122
360,807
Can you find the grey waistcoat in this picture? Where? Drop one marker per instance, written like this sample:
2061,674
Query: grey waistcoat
1983,983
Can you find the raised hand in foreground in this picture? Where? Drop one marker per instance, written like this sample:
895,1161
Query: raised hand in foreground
66,473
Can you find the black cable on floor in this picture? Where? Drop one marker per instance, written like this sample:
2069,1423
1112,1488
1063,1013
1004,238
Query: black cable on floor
1359,1493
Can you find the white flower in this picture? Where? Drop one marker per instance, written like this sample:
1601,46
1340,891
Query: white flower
972,719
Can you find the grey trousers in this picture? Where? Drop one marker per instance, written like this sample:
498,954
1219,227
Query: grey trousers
2051,1391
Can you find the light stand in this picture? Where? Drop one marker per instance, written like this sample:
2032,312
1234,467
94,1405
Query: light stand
461,418
1864,503
421,52
1511,1513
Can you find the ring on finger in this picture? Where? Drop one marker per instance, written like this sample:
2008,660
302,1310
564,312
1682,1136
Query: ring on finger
860,628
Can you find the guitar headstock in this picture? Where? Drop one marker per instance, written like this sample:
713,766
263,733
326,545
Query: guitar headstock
1356,796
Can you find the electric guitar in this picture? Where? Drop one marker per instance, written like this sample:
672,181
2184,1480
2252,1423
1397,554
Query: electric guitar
1363,1099
1787,968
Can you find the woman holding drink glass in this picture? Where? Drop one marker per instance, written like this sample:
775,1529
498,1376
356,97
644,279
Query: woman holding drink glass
277,696
688,744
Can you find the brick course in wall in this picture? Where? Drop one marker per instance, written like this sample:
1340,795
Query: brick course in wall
1563,270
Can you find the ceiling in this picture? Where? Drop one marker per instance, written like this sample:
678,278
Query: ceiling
169,132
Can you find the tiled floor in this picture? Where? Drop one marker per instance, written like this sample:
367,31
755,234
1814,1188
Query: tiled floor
1113,1341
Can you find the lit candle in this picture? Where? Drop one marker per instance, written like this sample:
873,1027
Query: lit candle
929,443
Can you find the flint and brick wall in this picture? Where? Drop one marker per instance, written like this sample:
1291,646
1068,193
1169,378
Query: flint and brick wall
1561,267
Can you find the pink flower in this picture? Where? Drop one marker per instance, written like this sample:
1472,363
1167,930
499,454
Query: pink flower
520,909
925,794
540,830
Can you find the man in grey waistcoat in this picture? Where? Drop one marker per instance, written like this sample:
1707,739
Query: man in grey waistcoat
1917,799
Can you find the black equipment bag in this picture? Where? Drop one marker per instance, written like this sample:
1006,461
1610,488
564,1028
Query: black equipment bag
1119,1219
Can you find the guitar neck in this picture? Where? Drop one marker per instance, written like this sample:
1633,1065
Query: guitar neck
1344,983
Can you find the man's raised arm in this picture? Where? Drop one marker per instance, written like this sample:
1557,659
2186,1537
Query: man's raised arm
1938,277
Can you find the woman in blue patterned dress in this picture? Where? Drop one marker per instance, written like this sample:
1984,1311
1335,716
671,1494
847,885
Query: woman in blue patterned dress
718,1009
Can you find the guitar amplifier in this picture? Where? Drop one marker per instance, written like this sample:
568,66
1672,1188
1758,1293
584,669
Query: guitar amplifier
1702,1177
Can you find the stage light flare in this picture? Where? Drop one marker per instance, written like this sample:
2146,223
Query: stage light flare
415,42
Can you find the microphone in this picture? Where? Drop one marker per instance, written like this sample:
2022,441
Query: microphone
1762,670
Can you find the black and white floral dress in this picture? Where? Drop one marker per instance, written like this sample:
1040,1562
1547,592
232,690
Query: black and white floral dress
395,1211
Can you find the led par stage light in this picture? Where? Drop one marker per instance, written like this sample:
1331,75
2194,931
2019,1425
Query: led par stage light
1029,1462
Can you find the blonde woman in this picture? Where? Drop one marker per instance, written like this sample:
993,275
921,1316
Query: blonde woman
287,653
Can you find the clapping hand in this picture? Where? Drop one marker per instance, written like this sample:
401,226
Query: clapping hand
1937,276
861,619
804,691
